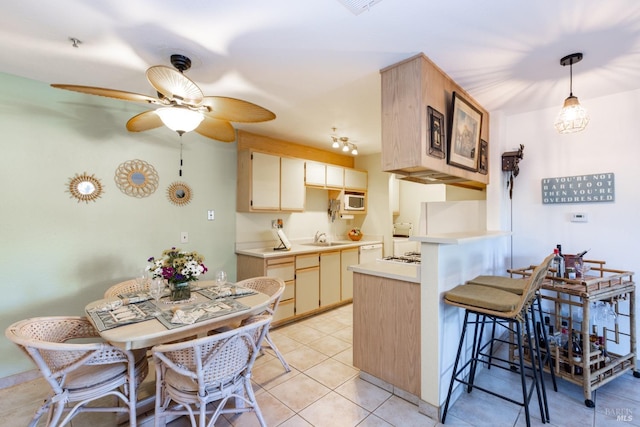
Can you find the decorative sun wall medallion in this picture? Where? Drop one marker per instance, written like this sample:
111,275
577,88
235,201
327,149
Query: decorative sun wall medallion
85,188
179,193
136,178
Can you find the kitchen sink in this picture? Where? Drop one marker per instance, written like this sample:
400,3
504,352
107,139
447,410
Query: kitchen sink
325,244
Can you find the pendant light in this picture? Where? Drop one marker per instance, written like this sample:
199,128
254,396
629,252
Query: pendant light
573,117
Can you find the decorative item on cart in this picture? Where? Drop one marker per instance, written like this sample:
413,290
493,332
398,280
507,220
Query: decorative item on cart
355,234
178,268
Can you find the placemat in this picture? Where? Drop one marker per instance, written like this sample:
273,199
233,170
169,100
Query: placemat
214,308
123,315
226,292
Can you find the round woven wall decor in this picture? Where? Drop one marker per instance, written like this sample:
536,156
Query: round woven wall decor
179,193
84,188
136,178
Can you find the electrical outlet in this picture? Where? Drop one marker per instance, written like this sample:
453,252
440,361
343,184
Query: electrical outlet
184,237
211,215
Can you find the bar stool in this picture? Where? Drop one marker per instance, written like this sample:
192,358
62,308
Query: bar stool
516,286
509,309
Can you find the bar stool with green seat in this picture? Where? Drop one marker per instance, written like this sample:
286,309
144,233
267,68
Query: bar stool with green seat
508,308
516,286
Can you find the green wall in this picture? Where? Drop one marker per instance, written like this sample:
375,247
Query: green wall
56,255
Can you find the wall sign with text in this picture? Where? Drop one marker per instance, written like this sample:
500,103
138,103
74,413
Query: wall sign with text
591,188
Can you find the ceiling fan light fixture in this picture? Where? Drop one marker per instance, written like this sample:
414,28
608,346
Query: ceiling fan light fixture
573,117
180,119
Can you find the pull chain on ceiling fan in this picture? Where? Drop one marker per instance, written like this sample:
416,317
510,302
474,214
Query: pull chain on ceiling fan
183,105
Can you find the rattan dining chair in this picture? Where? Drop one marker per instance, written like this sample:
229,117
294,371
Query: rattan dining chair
274,287
78,372
126,287
201,375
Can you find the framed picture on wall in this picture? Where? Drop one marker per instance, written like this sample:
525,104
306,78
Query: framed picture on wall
436,133
483,159
464,137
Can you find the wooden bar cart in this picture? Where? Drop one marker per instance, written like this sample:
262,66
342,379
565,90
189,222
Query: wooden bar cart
569,304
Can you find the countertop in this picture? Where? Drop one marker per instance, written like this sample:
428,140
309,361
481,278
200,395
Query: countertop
389,270
304,248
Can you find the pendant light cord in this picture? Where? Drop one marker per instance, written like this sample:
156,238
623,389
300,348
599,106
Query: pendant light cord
180,172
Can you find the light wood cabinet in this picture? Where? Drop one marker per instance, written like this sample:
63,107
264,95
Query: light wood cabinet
330,274
292,189
265,182
307,283
315,174
408,88
386,330
355,179
335,176
347,257
268,183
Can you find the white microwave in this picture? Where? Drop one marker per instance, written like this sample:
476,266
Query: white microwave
354,202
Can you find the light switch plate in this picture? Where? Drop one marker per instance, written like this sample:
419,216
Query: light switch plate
184,237
211,215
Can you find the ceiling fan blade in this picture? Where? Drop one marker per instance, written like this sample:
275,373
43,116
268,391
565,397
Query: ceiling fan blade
144,121
220,130
109,93
236,110
174,85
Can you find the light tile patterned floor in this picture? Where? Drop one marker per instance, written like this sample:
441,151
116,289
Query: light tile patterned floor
324,389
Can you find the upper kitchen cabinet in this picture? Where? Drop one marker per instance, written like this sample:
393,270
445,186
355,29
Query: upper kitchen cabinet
334,177
315,174
355,179
409,88
268,182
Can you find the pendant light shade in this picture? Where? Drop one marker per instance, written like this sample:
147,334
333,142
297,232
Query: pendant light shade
573,117
180,119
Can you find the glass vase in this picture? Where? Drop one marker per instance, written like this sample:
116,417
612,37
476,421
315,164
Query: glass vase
180,291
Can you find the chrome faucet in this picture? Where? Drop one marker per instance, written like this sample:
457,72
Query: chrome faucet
319,237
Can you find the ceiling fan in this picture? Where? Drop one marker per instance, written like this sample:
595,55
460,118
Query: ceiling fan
183,106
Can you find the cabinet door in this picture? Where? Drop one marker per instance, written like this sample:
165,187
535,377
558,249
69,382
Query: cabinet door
265,181
347,257
315,174
355,179
292,189
335,176
307,290
329,278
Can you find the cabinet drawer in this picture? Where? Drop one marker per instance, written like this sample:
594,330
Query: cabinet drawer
281,271
289,291
306,261
284,311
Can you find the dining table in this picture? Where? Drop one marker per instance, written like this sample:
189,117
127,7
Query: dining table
137,321
144,322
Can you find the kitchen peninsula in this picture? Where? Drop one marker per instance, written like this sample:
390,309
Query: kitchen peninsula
404,336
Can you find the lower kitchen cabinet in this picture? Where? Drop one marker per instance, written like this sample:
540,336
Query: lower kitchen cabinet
307,283
314,281
329,278
347,257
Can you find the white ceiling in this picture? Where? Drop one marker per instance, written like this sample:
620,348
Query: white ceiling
316,65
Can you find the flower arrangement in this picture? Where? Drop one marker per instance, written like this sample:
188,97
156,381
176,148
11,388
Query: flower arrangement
177,266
